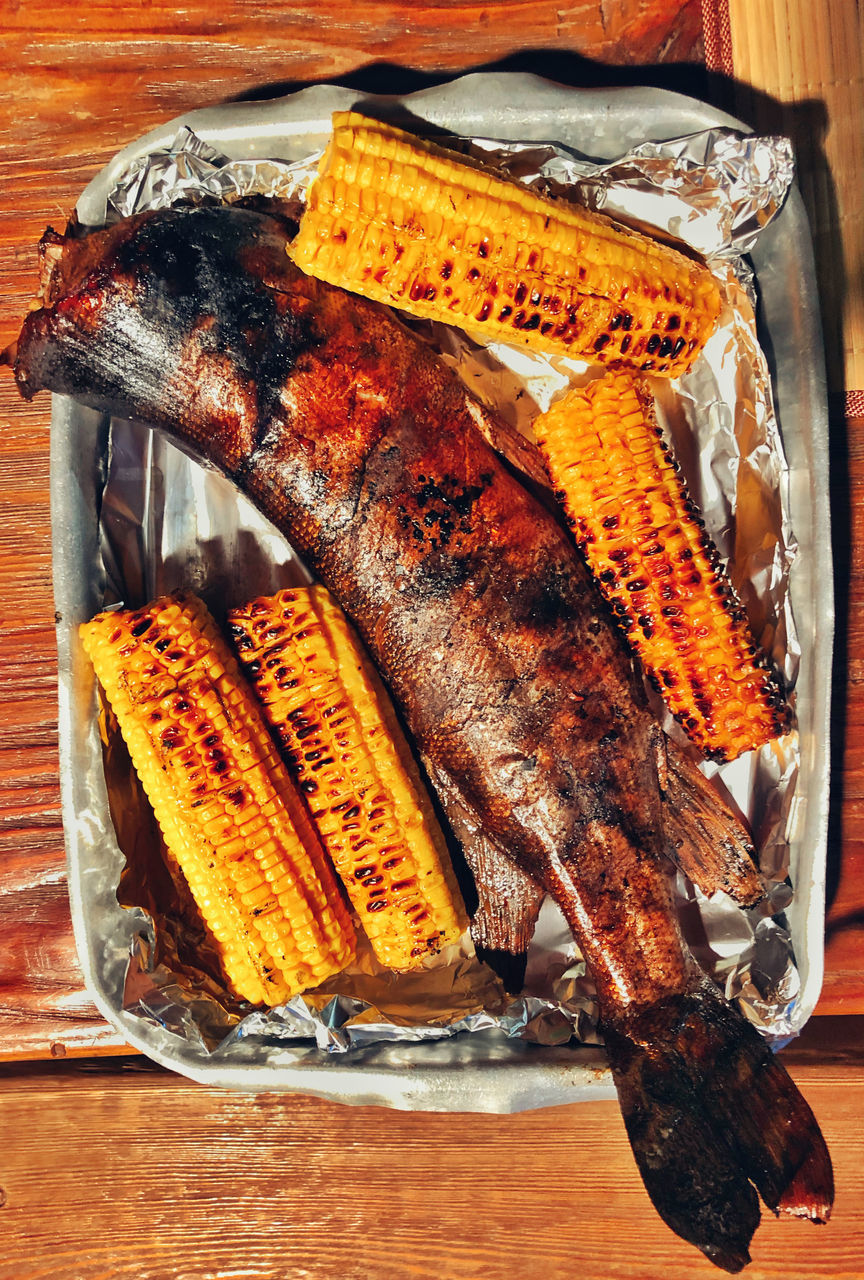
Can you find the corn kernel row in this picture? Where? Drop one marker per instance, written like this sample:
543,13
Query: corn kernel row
343,744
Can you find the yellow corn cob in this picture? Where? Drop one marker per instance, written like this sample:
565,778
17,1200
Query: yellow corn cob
228,811
398,219
342,742
646,544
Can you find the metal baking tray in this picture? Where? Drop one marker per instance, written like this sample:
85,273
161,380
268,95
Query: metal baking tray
481,1071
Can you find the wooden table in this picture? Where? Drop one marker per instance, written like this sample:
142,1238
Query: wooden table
111,1167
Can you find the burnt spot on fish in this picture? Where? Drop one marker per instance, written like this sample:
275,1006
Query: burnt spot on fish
436,577
549,604
441,507
203,286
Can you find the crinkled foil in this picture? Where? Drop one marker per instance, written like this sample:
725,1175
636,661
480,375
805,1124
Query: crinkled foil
167,521
191,171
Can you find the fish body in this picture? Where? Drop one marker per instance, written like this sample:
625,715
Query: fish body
353,438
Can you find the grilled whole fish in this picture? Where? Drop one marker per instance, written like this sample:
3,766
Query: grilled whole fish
353,439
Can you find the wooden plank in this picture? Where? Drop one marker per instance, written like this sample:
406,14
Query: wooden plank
799,70
143,1175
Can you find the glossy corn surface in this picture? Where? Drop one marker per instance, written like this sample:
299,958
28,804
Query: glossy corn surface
646,544
400,220
229,813
343,744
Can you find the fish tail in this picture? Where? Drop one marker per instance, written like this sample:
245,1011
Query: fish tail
714,1118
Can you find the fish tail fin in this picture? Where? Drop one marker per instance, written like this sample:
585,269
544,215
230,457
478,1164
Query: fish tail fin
713,1118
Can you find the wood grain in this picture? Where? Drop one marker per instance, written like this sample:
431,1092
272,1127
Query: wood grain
77,82
807,59
145,1176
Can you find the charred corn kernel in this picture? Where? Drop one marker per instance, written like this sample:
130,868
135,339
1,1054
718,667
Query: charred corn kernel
228,811
400,220
647,547
340,737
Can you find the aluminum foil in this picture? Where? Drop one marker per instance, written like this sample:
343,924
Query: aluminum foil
166,521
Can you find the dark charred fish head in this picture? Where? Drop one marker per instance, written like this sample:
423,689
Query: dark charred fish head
194,325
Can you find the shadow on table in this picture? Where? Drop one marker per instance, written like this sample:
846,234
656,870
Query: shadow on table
806,124
565,68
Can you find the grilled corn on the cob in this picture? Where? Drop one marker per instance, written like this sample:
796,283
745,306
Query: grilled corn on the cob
399,219
228,811
324,700
646,544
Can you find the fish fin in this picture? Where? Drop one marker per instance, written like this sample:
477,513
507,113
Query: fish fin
508,903
506,440
508,900
704,836
713,1118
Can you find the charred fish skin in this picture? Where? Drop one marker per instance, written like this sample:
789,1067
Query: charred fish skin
482,620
